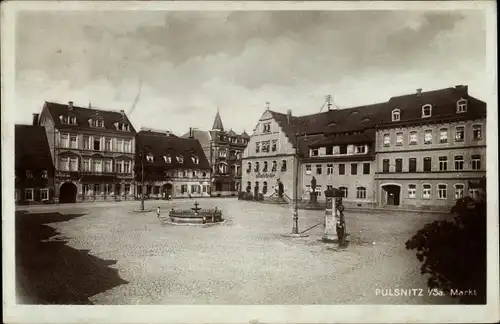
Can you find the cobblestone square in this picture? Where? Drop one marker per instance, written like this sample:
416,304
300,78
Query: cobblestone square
246,260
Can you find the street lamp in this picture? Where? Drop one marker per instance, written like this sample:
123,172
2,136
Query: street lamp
142,177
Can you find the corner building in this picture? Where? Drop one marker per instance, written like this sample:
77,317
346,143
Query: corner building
431,149
92,151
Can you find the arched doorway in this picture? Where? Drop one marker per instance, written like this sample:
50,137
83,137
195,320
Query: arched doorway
67,193
167,190
391,194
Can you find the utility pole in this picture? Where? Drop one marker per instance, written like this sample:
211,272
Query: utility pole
295,228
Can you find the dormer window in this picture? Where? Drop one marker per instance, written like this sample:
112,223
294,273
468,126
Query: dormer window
195,159
266,128
149,158
461,106
167,158
70,120
122,126
180,159
396,115
98,123
426,111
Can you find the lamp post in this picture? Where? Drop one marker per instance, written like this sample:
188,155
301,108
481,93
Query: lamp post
295,228
142,177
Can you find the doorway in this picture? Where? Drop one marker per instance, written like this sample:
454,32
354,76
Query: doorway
392,194
67,193
167,190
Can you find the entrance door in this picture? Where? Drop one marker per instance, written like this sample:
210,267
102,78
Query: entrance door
167,190
67,193
392,194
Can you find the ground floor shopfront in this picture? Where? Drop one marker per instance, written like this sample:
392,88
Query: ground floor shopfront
173,189
225,186
94,189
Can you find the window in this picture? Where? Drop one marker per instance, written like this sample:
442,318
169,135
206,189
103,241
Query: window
128,188
274,146
283,165
97,144
73,142
396,115
459,191
266,146
257,167
149,158
343,149
222,153
341,168
413,137
461,106
195,159
204,174
459,162
107,189
412,191
399,165
107,144
426,111
73,164
167,158
257,147
223,167
64,163
387,140
195,174
426,191
474,193
476,132
45,174
459,134
118,166
361,192
264,169
412,165
318,190
64,140
180,159
399,139
366,168
308,169
428,136
441,188
97,166
266,128
29,174
314,152
476,162
28,195
319,169
185,173
86,189
354,168
97,189
249,168
443,135
44,194
127,146
308,188
344,191
443,163
86,143
126,167
360,149
385,165
274,166
329,169
329,150
427,164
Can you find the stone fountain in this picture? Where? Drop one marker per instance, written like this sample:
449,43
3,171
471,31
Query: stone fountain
195,216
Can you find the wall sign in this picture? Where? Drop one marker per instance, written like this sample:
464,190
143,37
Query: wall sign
265,175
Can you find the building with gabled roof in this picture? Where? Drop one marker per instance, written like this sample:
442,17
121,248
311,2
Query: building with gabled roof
392,153
34,170
223,150
92,150
168,166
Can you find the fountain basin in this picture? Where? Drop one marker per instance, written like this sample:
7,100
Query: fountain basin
195,216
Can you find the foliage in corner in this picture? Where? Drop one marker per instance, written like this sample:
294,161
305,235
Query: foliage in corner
453,252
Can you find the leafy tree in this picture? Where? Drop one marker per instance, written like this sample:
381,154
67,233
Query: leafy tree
453,252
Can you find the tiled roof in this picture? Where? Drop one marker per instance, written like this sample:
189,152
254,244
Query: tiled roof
84,114
160,145
365,137
32,148
443,101
202,136
245,135
231,133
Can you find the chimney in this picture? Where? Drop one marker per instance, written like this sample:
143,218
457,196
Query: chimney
464,89
35,119
70,105
190,132
90,105
419,92
289,116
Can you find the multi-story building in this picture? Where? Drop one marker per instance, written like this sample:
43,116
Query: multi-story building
92,150
431,148
272,155
168,166
34,170
223,150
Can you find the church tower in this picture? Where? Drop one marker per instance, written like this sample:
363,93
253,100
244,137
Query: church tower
218,123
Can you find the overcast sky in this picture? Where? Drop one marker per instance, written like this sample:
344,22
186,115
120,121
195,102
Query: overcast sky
186,64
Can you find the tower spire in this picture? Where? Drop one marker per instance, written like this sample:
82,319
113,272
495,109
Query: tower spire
217,125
